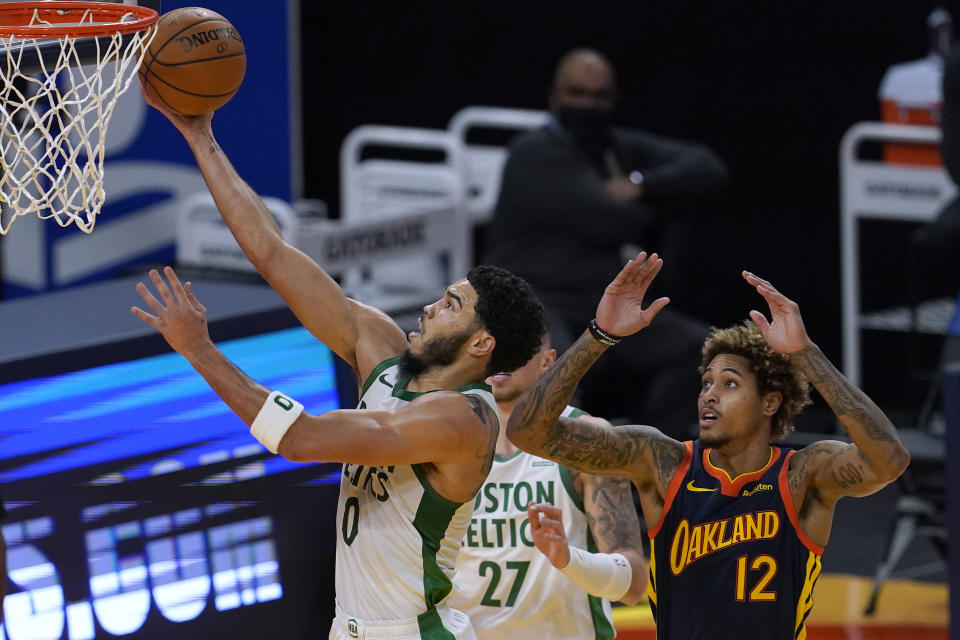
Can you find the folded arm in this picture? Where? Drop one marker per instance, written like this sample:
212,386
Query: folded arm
676,170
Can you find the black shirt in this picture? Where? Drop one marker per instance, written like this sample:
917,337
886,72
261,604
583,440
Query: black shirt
555,224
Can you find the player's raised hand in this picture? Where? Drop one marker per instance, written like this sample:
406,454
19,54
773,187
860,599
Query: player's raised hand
621,311
546,527
184,124
785,331
179,315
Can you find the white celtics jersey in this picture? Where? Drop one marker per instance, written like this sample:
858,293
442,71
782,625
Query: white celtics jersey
397,538
504,584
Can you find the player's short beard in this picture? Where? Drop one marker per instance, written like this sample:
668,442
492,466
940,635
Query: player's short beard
508,395
437,352
714,441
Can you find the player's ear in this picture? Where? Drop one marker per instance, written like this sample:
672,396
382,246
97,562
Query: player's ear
772,402
549,357
481,343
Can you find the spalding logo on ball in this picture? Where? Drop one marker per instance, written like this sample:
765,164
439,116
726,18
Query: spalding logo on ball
196,62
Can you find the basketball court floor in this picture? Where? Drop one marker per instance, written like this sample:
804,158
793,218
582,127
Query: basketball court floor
908,610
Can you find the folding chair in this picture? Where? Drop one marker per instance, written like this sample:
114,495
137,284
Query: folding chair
384,176
482,164
921,510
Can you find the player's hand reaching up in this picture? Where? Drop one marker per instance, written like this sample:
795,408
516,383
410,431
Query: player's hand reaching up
785,331
546,527
179,317
621,311
185,124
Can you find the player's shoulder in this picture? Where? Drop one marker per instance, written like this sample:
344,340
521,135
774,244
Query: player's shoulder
455,405
812,457
818,450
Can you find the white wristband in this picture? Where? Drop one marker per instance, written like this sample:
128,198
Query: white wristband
607,575
276,416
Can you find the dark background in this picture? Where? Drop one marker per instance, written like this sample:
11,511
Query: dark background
772,87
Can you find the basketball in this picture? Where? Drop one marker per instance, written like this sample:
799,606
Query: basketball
196,62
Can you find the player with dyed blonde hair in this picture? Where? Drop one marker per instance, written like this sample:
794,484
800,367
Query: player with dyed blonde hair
737,525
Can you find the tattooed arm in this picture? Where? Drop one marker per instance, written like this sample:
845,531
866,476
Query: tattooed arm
875,457
832,469
611,518
642,453
613,521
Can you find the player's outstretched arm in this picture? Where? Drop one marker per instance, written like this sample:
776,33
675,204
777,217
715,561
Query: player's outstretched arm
314,297
876,456
535,425
182,320
438,427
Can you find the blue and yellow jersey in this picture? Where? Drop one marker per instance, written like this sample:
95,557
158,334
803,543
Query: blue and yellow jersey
728,558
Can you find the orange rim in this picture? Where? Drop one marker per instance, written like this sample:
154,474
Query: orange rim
62,17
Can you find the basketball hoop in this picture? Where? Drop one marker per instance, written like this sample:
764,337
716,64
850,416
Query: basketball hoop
62,68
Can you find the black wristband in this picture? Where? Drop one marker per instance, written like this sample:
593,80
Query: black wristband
602,336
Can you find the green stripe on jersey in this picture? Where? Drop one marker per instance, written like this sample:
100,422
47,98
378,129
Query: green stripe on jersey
433,517
431,626
571,490
510,457
400,389
386,364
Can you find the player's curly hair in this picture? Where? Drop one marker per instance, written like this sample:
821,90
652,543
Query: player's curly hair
772,369
511,312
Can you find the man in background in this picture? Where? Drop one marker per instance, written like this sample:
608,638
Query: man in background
573,194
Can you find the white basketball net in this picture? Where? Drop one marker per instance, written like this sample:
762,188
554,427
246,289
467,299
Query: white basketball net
53,124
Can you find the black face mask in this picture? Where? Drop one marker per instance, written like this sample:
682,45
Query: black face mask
588,125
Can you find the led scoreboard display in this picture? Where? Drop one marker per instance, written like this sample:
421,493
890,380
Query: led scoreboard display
139,505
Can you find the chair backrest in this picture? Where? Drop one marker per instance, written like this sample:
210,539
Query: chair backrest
203,238
483,163
373,187
391,172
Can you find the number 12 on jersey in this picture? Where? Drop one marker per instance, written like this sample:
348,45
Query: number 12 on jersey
757,594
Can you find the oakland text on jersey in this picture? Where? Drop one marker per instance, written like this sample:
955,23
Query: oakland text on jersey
692,543
373,479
